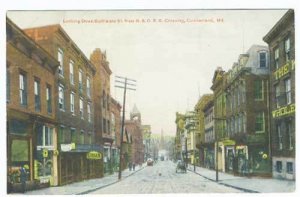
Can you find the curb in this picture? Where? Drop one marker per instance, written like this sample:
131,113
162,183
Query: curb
103,186
225,184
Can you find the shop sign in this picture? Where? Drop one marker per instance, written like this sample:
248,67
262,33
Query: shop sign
93,155
240,147
289,109
67,147
282,71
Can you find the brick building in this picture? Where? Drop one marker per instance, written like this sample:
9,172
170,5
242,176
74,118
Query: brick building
200,127
79,156
281,41
218,88
134,128
102,101
31,100
247,96
209,135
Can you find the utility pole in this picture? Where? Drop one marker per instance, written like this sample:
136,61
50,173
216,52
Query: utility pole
123,81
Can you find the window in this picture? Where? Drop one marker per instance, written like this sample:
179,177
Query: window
263,60
258,89
276,58
236,122
73,135
104,125
61,97
88,87
288,93
107,100
80,81
89,111
81,139
244,122
49,99
280,144
259,123
37,95
81,108
60,57
72,103
277,96
62,137
19,150
108,126
279,166
71,72
240,123
7,85
289,167
45,136
103,99
23,89
287,49
290,135
90,138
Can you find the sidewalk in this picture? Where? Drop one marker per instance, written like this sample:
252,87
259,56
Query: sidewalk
84,187
252,184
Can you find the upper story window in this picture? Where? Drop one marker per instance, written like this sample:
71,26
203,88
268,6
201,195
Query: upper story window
7,85
103,99
107,100
81,108
60,57
259,122
276,58
258,89
49,99
287,49
23,89
288,93
72,103
73,135
71,72
262,59
89,112
277,95
80,81
88,87
61,97
37,95
279,134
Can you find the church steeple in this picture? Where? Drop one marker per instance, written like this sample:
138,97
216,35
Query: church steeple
135,114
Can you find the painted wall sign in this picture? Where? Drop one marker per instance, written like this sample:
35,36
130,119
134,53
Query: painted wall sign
289,109
67,147
93,155
282,71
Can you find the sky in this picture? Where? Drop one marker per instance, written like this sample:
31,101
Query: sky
172,55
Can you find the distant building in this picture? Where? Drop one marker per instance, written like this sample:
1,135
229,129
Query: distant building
247,120
133,127
200,127
209,135
281,40
31,115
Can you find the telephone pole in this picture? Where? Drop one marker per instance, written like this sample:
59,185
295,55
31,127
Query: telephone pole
123,83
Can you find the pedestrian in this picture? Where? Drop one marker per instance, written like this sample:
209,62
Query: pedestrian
23,177
133,166
129,165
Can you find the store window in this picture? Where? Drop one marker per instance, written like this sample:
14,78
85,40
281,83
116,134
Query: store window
278,166
19,151
73,135
44,136
289,167
81,137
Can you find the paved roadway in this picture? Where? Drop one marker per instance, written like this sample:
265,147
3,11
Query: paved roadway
162,178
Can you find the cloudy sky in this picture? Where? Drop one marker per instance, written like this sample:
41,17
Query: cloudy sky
172,54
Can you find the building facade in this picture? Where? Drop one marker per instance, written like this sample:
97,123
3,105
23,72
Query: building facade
247,96
222,142
200,127
133,127
79,157
281,41
102,100
31,115
209,135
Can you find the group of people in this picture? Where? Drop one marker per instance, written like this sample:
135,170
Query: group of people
131,166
